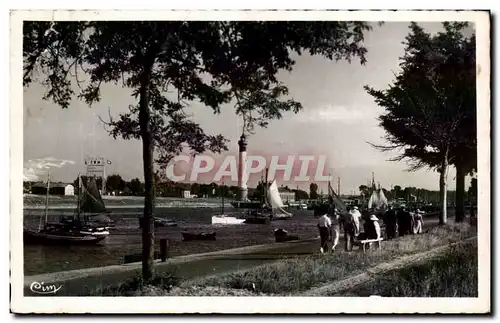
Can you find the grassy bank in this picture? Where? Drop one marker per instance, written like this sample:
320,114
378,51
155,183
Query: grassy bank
293,276
453,274
301,274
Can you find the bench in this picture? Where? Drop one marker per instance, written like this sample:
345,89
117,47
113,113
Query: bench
363,243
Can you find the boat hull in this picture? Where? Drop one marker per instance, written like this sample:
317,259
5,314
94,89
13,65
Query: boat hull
227,220
35,237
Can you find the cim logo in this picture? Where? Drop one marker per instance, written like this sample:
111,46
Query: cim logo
43,289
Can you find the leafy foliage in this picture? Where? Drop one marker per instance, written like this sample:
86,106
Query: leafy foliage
210,62
431,106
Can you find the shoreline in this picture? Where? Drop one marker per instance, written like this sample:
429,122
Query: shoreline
75,281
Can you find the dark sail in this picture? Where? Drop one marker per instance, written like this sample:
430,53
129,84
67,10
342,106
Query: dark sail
91,200
334,199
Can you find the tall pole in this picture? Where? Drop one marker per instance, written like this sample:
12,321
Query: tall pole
81,143
338,186
222,192
47,198
79,197
103,182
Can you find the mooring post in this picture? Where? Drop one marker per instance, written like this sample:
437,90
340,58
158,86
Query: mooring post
163,249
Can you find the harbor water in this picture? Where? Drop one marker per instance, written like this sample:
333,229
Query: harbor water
125,238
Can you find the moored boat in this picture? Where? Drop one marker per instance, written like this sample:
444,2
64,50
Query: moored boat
66,231
57,236
159,222
226,220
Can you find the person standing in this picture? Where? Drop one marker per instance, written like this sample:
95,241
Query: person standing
390,222
324,226
351,228
418,226
404,221
335,232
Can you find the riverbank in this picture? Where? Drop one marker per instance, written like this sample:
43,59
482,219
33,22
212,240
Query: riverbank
90,281
303,273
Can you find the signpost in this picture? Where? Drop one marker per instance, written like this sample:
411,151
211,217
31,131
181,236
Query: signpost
96,166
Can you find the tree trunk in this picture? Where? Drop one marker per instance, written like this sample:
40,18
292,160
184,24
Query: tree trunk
149,187
460,193
443,189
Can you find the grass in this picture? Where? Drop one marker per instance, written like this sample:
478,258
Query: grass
453,274
292,276
300,274
136,286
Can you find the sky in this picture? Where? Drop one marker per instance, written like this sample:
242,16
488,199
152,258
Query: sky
338,120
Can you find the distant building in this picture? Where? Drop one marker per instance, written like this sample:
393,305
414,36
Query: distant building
186,194
55,189
69,190
286,195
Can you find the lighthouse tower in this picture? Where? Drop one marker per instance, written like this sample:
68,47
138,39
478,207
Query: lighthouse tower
242,163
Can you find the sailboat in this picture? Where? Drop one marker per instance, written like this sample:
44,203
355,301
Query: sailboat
64,232
276,204
225,219
273,208
91,205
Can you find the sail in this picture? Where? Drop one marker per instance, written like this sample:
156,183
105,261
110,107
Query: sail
373,202
383,203
274,198
91,200
334,198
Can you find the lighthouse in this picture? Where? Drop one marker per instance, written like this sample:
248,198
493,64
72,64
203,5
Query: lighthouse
242,162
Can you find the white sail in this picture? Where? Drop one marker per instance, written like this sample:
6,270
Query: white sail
373,202
382,200
274,198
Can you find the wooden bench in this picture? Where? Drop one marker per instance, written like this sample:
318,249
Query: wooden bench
363,243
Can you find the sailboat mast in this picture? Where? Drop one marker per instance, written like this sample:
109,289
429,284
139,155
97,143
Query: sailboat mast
79,194
222,195
47,198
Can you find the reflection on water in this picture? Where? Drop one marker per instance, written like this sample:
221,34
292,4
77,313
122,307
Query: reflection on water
126,237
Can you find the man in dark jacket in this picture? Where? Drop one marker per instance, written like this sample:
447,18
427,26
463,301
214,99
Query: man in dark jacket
404,221
390,221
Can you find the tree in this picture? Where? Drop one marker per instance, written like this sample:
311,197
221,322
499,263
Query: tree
195,189
472,192
313,191
301,195
364,190
429,100
211,62
135,186
397,191
115,183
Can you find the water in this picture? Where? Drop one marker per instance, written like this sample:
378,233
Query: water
125,239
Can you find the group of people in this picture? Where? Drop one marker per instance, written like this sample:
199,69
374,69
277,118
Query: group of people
396,221
403,222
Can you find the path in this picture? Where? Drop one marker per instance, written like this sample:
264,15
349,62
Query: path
341,286
82,282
